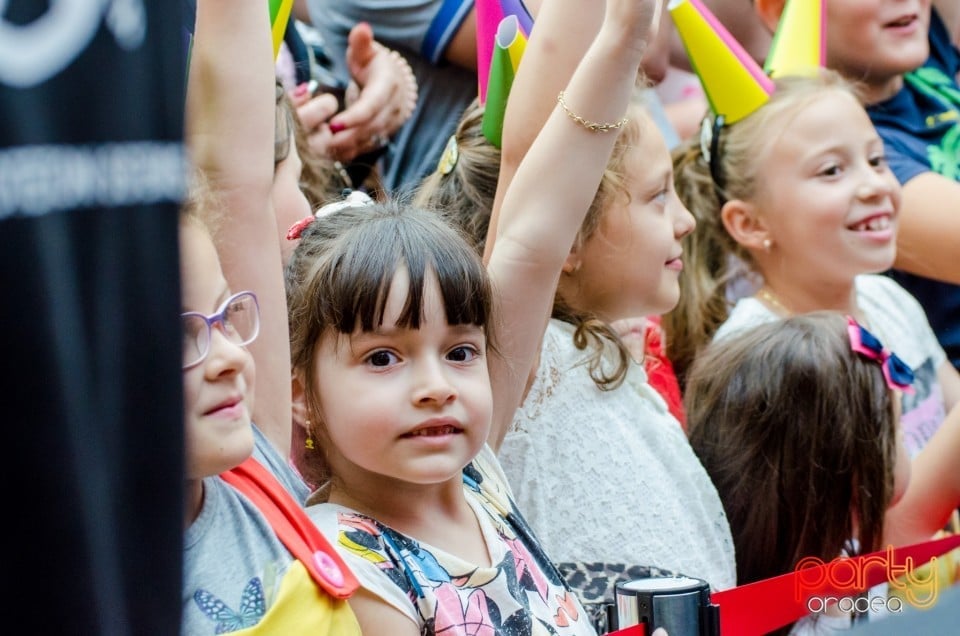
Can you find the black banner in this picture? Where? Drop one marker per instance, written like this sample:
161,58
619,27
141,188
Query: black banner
91,176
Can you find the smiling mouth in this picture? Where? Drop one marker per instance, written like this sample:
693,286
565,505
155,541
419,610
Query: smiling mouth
875,224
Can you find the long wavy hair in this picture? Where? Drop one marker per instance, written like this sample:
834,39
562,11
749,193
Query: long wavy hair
466,193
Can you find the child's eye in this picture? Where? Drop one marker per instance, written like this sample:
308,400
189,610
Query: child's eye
878,161
463,353
381,358
830,170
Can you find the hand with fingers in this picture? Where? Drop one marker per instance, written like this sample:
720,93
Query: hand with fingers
380,98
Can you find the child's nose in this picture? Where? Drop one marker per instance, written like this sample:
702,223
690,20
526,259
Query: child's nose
433,385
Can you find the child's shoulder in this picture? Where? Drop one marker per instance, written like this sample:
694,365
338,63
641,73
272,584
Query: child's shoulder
746,313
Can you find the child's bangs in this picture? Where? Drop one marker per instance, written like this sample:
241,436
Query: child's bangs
424,247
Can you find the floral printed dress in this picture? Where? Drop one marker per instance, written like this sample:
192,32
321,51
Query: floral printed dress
520,594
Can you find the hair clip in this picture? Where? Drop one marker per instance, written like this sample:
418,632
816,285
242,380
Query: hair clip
896,372
710,129
448,160
351,199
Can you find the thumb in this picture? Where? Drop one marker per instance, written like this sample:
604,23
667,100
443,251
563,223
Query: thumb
360,49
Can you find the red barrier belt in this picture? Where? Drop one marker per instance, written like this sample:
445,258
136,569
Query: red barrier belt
763,606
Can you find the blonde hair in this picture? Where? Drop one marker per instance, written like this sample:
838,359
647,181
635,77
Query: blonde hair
466,194
712,259
614,186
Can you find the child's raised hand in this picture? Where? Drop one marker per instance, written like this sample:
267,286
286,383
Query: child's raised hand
641,19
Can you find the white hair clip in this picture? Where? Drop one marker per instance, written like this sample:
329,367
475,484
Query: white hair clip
352,199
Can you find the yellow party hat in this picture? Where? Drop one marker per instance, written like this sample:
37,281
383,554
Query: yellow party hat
733,82
799,45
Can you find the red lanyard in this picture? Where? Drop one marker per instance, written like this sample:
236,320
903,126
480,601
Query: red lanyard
293,527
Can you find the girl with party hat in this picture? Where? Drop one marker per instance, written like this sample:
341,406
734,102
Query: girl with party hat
901,56
798,211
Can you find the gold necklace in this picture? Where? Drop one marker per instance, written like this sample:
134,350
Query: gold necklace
773,301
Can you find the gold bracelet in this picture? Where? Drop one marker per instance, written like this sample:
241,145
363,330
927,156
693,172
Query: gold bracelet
592,126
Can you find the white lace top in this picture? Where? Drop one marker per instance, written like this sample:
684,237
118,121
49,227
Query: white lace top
609,476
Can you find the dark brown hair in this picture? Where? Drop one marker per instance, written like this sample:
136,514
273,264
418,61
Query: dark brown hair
798,434
338,280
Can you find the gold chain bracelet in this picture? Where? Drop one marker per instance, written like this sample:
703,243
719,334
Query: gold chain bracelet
592,126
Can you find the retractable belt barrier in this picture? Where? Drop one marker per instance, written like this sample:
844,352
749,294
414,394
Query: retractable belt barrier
763,606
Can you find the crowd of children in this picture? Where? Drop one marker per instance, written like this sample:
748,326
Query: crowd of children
476,396
470,437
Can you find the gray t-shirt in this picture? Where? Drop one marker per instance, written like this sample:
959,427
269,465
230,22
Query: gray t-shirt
233,561
421,31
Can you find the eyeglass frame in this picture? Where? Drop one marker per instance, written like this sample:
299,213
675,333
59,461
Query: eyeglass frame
220,317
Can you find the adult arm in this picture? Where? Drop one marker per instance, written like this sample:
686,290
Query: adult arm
230,129
555,183
930,228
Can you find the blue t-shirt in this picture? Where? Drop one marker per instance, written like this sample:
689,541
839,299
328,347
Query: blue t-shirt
920,127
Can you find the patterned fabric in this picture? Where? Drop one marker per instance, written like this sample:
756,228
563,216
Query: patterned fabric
596,585
239,577
520,592
609,476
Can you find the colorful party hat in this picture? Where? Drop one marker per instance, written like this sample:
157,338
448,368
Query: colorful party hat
733,82
799,45
508,48
490,13
279,17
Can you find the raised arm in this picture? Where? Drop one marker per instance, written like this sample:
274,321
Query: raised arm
563,31
231,105
555,183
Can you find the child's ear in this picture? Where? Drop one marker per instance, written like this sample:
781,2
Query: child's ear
572,264
769,12
744,226
299,402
